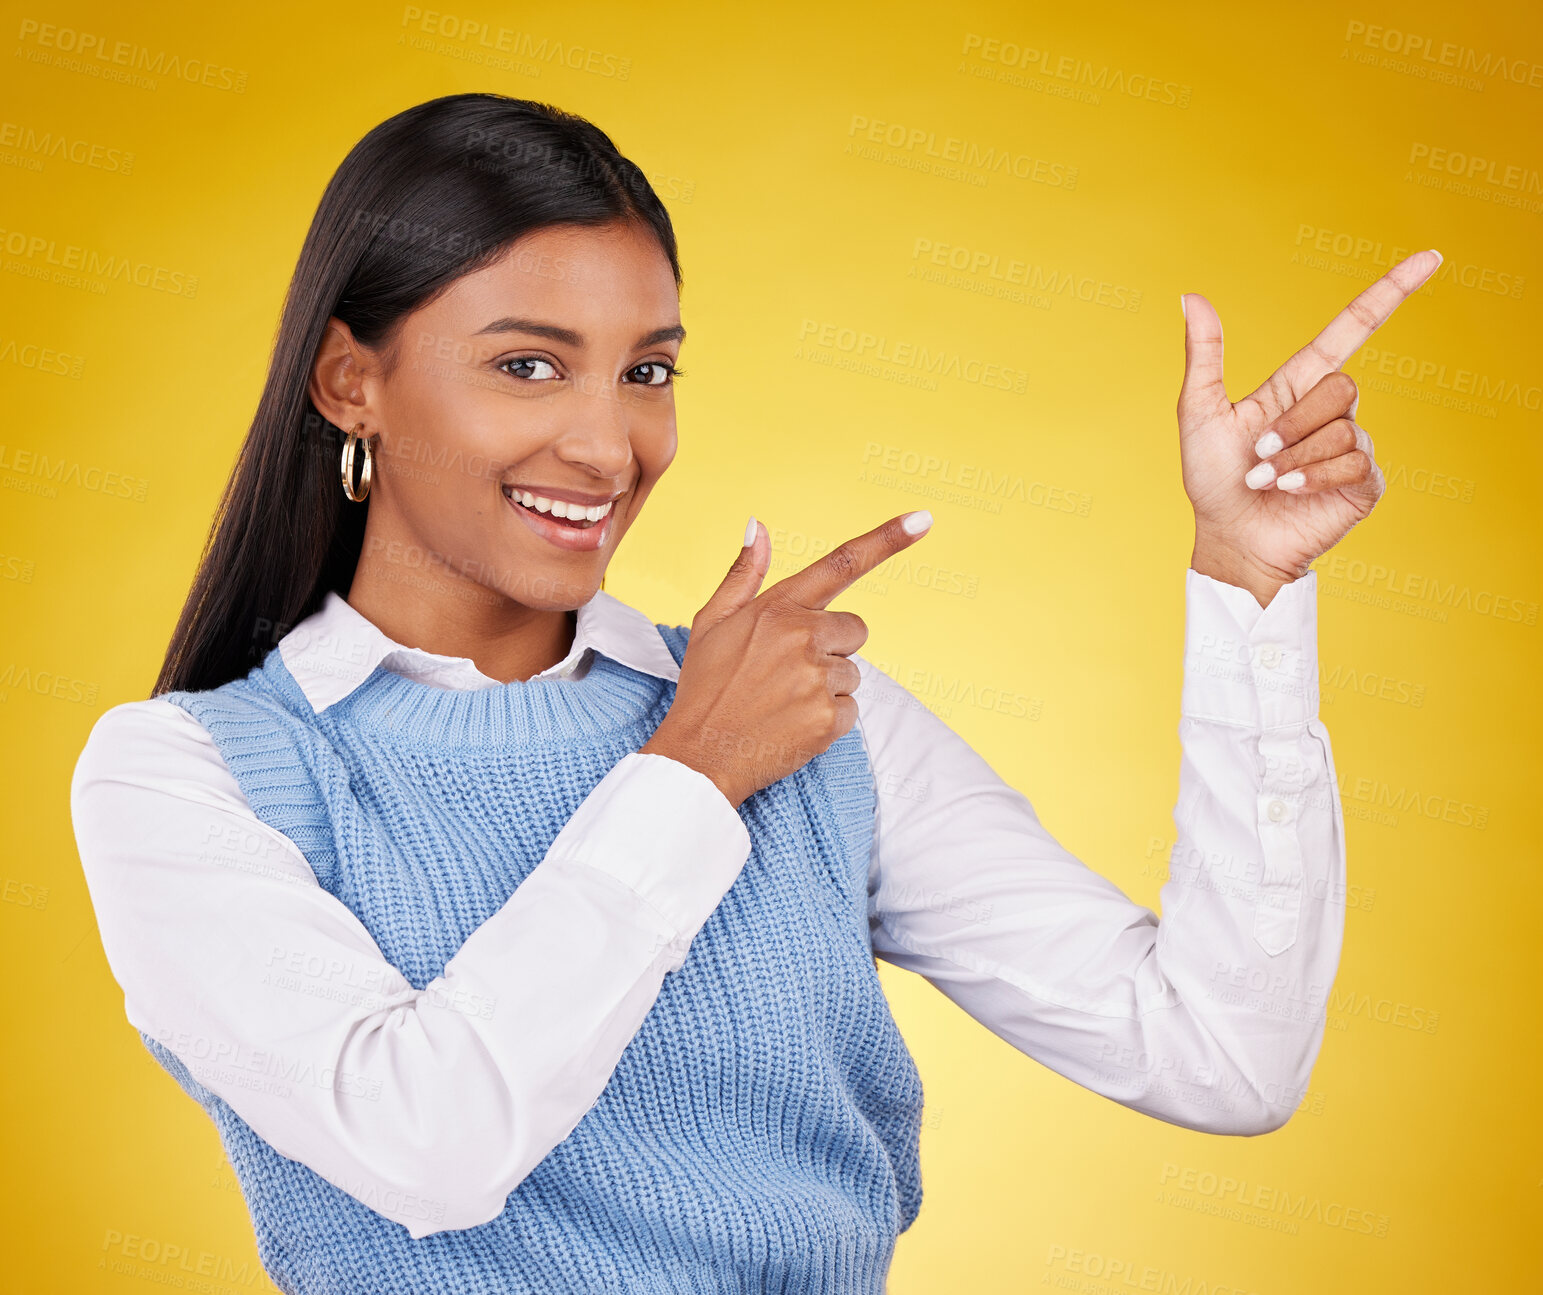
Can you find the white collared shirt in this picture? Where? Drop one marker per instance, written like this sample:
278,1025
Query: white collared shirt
278,1000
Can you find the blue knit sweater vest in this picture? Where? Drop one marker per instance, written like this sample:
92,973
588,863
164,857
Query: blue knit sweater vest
760,1132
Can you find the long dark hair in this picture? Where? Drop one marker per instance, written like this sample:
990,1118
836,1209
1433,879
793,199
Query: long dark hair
434,193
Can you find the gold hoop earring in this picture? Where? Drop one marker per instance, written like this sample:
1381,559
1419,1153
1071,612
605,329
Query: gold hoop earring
349,446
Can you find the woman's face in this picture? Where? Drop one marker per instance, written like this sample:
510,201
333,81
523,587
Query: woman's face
548,374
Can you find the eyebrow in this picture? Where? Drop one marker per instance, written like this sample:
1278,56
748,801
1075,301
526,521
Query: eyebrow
568,336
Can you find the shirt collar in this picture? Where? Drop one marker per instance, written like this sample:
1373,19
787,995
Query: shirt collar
336,648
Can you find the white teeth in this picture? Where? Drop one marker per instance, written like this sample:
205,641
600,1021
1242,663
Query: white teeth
560,508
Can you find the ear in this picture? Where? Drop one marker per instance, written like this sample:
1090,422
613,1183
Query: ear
340,382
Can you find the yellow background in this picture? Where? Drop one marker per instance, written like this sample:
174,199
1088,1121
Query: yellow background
745,121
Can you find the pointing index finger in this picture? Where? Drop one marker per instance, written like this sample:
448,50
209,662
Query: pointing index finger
823,579
1348,331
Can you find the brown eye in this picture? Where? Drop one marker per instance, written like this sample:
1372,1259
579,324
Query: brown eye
655,373
521,366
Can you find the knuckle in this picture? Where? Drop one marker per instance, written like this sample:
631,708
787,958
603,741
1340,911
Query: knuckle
1342,385
1362,313
771,603
846,716
843,560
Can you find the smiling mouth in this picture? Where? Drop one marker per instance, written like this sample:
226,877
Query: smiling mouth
575,516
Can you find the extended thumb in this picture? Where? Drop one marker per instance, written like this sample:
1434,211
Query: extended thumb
1203,383
742,582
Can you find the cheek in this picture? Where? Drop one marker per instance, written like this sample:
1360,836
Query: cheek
463,442
654,441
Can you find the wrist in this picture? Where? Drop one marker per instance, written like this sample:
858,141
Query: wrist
1221,561
663,746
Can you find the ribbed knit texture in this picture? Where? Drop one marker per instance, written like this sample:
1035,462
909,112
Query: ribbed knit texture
760,1132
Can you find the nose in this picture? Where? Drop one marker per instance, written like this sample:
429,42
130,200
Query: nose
597,436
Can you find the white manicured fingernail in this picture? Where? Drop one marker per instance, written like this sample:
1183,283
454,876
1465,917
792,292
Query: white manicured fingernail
916,523
1259,476
1268,444
749,532
1291,481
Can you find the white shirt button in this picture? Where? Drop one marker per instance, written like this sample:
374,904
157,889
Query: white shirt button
1278,811
1269,656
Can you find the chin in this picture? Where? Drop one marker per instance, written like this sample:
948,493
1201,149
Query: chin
557,595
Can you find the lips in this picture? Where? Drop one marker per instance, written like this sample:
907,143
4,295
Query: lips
570,536
560,503
577,523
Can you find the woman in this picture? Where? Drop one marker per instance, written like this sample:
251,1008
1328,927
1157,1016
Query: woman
515,942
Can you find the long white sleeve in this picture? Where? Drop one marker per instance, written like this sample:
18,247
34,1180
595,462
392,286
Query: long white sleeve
1211,1018
429,1106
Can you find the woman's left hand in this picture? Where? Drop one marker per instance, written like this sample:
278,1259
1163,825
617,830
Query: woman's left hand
1261,519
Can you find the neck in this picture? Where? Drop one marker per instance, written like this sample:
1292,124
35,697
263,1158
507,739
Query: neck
451,615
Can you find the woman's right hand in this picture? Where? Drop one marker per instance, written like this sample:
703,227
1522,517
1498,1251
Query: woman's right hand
766,683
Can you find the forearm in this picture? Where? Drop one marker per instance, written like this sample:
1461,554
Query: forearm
430,1104
1252,902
